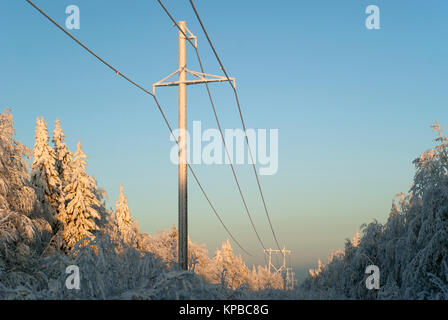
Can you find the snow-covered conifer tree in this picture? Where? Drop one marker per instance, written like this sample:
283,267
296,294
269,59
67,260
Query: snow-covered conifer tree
44,176
15,192
80,198
232,267
356,239
316,272
123,219
63,155
21,234
63,161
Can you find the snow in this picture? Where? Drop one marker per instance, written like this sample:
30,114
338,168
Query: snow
44,177
55,217
79,196
410,249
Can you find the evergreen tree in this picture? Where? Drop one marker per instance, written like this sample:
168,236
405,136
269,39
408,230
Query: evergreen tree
15,192
80,198
107,217
356,239
123,219
21,234
316,272
44,176
63,155
63,161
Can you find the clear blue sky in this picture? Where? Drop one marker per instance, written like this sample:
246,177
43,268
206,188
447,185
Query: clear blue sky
353,106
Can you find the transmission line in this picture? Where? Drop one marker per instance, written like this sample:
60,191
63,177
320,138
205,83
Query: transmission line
158,106
241,117
217,121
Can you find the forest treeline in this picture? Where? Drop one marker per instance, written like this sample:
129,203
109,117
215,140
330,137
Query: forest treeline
53,210
53,215
410,249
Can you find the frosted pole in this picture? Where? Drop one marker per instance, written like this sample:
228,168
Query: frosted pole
183,202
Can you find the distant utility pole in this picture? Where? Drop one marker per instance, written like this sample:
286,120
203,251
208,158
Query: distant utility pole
286,272
184,35
290,279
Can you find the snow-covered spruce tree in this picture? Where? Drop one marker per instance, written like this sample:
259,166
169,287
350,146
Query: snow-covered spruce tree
22,234
355,240
44,176
15,191
124,222
80,199
63,162
63,155
106,222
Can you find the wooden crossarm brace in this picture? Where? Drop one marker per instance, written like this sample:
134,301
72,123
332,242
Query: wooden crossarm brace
189,82
160,82
212,77
203,78
192,36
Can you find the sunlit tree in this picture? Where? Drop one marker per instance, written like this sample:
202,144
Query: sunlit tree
80,199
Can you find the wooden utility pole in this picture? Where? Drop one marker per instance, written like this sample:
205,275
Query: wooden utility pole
184,36
286,272
183,205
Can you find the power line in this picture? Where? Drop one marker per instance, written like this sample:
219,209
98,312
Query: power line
217,120
241,117
158,106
